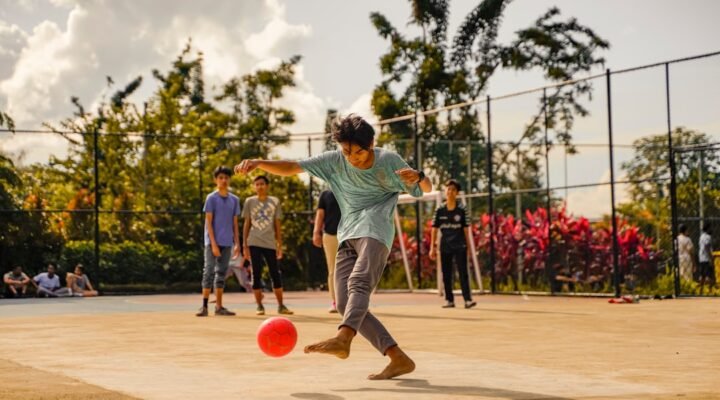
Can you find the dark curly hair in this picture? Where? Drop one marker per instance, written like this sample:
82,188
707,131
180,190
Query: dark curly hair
354,130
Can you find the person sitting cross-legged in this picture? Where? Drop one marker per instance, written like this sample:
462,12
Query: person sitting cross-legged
79,284
48,284
16,283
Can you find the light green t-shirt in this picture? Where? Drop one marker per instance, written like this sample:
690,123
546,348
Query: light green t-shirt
367,197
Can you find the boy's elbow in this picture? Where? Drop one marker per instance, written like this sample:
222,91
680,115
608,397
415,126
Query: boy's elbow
296,169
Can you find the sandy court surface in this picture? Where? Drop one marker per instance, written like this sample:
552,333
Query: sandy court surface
152,347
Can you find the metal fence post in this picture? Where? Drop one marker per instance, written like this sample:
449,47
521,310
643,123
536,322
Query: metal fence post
200,180
673,187
310,184
96,173
311,222
491,212
418,220
701,195
548,202
616,265
468,189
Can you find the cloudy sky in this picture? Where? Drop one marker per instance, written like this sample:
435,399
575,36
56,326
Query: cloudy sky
51,50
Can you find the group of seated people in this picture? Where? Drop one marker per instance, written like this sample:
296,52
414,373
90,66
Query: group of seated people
47,284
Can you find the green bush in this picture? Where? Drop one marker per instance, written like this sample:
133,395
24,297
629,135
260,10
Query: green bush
151,267
132,263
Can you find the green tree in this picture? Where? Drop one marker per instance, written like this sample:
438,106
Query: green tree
329,143
431,70
649,172
160,157
26,238
9,181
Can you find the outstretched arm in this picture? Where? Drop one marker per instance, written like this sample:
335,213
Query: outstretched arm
275,167
411,177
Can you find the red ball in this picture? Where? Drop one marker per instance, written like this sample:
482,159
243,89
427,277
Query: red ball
276,336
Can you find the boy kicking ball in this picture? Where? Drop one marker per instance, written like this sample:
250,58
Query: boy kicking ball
366,182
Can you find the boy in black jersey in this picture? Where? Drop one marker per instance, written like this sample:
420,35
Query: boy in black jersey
452,221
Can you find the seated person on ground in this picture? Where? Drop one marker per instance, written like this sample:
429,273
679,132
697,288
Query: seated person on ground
48,284
565,280
596,279
16,283
79,284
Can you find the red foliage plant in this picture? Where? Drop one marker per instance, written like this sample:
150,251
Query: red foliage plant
573,247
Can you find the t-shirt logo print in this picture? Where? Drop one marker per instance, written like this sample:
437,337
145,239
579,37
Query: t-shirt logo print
457,218
263,215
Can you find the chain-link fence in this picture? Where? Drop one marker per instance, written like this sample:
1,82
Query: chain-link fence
571,188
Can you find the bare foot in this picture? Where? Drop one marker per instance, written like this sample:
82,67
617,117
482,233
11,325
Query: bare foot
399,365
338,347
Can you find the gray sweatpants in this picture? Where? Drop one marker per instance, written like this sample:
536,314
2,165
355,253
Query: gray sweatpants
215,268
358,268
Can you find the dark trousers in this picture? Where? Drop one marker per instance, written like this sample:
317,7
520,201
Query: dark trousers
707,270
446,260
257,254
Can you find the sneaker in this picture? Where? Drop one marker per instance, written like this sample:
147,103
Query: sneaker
284,310
203,312
224,311
470,304
260,310
333,309
449,304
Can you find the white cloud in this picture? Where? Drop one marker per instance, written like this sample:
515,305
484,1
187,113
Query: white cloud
278,37
309,109
594,202
26,148
361,106
29,90
62,3
12,41
40,70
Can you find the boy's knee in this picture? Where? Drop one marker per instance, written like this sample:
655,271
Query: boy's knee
220,281
359,285
340,305
277,280
207,282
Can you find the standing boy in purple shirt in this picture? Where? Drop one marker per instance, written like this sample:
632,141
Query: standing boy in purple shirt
221,239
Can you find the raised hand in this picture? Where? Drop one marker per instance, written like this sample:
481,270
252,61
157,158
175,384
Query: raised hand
408,175
246,166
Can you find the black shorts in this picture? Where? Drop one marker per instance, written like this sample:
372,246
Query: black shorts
706,270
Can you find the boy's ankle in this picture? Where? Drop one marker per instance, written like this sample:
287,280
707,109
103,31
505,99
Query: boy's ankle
345,333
